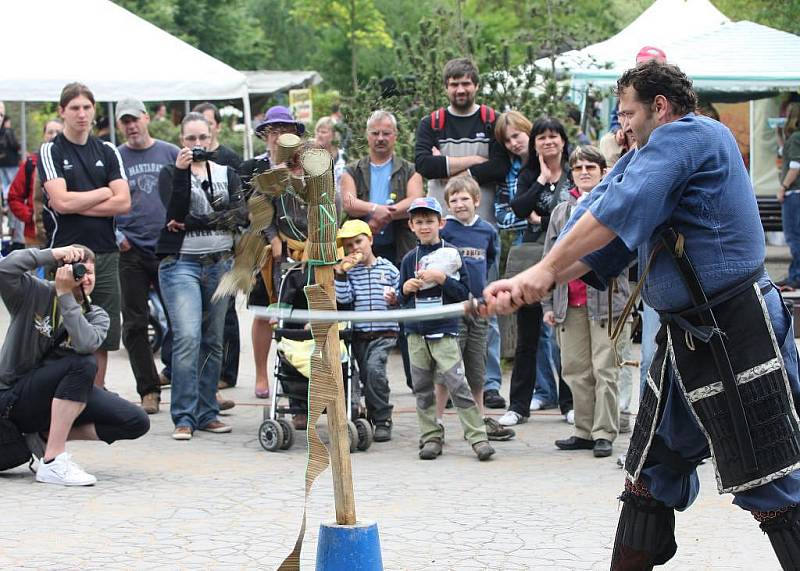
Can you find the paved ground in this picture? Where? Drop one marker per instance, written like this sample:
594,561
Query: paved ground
220,501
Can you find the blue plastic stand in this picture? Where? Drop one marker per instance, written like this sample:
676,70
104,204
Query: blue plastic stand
349,547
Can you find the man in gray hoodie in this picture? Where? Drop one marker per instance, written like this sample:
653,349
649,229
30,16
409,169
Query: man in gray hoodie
47,366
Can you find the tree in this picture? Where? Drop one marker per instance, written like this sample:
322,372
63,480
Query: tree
226,31
359,22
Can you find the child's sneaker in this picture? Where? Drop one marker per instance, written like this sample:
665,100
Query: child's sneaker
64,472
483,450
431,449
495,431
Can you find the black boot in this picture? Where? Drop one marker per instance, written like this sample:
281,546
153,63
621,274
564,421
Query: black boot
783,529
645,532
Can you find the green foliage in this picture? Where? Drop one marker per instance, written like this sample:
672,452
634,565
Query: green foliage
413,86
232,139
165,131
358,22
225,30
322,101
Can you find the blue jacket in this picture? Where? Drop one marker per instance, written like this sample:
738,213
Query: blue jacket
452,291
478,243
690,176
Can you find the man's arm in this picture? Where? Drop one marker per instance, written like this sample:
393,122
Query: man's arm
86,331
457,165
118,203
414,189
15,280
353,205
427,164
66,202
496,168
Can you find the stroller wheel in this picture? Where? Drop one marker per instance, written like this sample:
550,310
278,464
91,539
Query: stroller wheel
353,432
288,433
364,429
270,435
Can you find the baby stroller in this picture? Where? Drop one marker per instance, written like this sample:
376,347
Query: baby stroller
292,372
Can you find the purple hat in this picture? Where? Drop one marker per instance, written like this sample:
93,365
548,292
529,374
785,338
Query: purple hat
280,115
426,203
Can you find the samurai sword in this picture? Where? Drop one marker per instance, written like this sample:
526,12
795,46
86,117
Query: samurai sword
470,307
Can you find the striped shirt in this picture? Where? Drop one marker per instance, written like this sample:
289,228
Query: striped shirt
363,286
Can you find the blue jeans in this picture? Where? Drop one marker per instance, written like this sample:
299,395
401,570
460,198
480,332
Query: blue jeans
790,218
548,365
197,325
650,326
494,376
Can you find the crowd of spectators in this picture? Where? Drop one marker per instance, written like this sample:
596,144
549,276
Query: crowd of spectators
421,231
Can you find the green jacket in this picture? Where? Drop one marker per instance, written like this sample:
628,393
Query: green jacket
402,171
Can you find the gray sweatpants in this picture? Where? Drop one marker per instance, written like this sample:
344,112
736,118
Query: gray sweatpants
371,356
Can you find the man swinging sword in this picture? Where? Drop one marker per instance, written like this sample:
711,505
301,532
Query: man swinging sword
725,377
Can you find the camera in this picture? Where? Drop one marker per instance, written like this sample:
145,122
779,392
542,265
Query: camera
199,154
78,271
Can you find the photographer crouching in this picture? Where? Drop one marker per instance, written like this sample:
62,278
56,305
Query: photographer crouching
47,366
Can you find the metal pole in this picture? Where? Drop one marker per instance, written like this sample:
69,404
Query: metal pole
23,120
112,125
186,107
248,132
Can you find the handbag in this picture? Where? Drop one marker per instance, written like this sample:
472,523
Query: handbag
523,256
13,450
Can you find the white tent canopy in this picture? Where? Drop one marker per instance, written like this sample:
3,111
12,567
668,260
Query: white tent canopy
661,25
267,82
737,57
142,61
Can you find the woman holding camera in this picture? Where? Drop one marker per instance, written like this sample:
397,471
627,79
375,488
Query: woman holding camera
204,210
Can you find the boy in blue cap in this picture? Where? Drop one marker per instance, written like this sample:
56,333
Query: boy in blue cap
433,274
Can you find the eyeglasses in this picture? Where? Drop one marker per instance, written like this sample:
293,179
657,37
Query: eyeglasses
193,138
587,168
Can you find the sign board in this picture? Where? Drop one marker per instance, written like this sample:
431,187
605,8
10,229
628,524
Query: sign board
300,104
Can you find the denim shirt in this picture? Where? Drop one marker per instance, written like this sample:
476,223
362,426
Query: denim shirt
690,175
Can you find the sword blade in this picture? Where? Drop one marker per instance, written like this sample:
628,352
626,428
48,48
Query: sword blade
422,314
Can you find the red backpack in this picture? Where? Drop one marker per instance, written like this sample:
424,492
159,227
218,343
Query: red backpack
487,118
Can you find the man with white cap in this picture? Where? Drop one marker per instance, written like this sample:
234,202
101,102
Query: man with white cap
137,233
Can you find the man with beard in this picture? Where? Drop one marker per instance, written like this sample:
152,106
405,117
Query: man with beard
724,379
460,140
137,234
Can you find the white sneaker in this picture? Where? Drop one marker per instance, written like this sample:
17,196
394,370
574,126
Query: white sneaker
64,472
536,404
510,418
570,416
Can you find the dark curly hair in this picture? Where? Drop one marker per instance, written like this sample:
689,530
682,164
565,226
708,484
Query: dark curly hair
651,78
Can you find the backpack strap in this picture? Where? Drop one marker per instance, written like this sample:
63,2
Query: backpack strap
488,116
437,119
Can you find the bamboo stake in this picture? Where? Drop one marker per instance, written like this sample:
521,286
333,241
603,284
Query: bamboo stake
322,238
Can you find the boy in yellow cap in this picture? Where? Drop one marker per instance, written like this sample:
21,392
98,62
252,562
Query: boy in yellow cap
362,280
